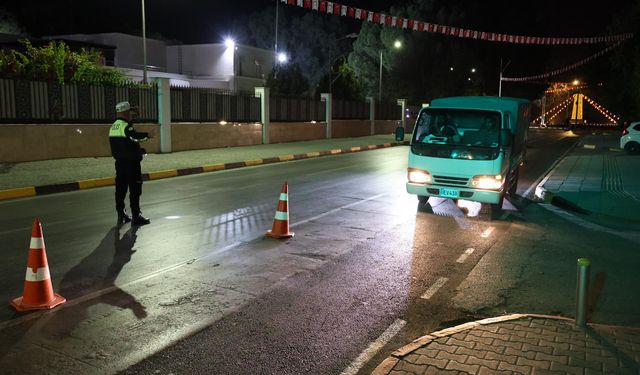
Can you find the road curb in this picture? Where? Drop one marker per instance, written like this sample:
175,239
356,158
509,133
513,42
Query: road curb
157,175
387,365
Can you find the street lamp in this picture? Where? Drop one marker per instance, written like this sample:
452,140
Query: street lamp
397,45
282,58
144,47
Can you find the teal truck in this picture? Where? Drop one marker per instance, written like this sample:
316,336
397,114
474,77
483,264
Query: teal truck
468,148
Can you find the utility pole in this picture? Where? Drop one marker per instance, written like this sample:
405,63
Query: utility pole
501,71
380,79
144,47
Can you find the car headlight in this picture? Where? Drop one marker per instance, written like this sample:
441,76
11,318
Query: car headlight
419,177
487,182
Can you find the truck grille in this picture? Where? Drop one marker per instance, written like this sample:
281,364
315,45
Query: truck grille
455,181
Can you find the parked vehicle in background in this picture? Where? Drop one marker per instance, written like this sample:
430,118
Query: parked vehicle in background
469,148
630,139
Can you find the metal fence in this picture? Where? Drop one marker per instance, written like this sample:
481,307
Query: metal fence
36,101
388,111
213,105
350,110
284,109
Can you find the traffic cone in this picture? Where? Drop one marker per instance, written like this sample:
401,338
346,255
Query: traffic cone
280,227
38,292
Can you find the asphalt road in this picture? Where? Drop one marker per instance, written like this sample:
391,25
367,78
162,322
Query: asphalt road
206,292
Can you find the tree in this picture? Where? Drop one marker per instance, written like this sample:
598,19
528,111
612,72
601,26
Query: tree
311,40
9,24
56,62
345,85
288,80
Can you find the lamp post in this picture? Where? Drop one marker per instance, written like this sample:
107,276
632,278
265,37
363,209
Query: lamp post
397,45
144,47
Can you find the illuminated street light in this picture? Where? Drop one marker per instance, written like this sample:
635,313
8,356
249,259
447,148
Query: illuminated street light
576,82
473,70
451,69
230,43
282,58
397,45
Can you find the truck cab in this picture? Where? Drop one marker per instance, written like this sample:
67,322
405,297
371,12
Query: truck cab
468,148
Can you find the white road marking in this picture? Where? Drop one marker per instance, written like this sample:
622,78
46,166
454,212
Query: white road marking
374,347
487,232
434,288
465,255
335,210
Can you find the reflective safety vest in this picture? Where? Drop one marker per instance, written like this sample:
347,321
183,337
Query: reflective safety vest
117,129
123,140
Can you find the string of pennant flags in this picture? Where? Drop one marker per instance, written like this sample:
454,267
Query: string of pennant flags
329,7
561,70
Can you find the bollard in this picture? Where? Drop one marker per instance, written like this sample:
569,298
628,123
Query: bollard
582,291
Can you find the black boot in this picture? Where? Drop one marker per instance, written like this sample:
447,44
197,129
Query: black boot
123,217
138,219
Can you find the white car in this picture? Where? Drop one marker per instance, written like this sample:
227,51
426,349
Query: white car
630,140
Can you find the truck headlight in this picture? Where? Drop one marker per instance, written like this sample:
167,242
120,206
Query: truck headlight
419,177
487,182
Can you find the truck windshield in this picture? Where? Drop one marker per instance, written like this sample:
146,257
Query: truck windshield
457,133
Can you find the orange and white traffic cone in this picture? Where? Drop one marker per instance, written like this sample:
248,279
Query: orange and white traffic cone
38,292
280,227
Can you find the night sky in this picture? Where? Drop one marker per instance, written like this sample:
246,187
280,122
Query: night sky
205,21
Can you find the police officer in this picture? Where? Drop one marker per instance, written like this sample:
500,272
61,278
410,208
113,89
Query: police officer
125,148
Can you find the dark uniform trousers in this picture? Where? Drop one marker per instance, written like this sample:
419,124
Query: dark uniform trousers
128,177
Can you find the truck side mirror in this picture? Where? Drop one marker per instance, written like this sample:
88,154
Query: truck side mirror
506,137
399,134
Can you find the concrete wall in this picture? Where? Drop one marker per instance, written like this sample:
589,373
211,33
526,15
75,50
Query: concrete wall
280,132
30,142
19,143
197,136
389,126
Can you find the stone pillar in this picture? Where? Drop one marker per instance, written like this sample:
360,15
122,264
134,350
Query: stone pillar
263,94
164,113
328,99
372,113
403,104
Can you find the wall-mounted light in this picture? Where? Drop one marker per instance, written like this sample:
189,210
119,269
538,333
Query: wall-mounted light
230,43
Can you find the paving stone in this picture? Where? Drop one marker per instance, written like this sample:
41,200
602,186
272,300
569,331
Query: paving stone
555,366
556,345
396,372
552,358
488,328
489,348
537,348
514,345
605,359
489,371
541,371
471,369
592,351
541,336
533,363
520,353
476,336
455,342
429,352
437,362
493,335
511,359
493,364
441,347
453,357
569,353
411,358
410,368
439,371
514,368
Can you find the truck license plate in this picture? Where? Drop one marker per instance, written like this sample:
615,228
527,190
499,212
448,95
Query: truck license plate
449,193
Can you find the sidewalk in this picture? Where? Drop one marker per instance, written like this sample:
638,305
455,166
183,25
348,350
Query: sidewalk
598,179
519,344
53,176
